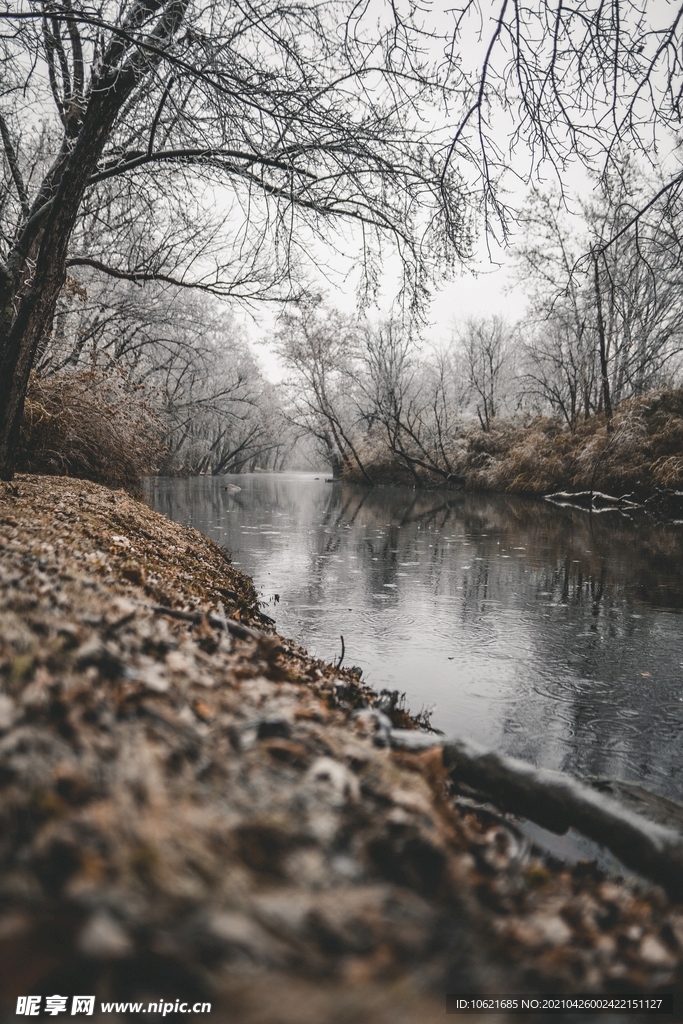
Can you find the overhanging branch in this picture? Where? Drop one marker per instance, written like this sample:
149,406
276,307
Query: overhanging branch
145,277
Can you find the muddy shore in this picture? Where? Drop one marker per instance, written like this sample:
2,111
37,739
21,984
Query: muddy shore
188,813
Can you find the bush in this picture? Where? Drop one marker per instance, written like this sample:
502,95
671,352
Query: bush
643,452
90,424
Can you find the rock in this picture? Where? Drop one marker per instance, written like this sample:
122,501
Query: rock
413,739
341,780
653,951
375,723
101,656
554,930
274,726
103,938
152,676
239,935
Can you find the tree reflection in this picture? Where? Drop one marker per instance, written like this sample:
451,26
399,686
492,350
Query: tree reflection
531,627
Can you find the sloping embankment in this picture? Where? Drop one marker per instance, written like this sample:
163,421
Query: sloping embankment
187,814
643,453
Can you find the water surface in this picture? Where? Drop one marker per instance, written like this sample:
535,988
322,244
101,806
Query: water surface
531,629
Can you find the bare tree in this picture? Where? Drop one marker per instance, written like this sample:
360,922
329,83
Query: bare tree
412,399
559,369
184,355
606,325
266,107
559,351
638,278
486,346
220,414
320,347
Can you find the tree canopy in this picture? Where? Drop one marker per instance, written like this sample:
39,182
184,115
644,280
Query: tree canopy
215,145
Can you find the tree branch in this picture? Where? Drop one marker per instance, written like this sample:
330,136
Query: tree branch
157,116
11,155
144,277
137,158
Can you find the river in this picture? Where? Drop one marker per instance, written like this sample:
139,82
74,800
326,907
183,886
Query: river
539,631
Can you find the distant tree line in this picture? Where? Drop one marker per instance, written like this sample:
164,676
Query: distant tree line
156,149
178,356
604,324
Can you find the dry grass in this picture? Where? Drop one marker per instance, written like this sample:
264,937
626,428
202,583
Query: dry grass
644,452
90,424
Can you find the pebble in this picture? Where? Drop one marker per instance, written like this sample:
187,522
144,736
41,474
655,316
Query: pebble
103,938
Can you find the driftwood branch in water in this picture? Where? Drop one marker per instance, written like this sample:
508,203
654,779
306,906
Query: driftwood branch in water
558,802
664,504
595,501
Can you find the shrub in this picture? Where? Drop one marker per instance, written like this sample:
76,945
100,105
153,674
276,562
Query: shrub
644,451
91,424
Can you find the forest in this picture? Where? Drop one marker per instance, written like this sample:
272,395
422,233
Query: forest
225,227
166,168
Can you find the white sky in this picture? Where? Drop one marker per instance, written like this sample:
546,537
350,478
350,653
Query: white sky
485,287
491,291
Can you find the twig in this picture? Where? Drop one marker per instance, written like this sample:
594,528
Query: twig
237,629
341,656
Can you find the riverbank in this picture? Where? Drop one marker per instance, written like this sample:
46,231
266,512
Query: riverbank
192,812
641,454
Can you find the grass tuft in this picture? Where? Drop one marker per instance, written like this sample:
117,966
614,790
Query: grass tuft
92,425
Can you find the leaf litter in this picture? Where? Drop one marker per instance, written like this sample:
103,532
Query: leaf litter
185,814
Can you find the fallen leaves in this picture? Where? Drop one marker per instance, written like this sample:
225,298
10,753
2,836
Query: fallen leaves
188,799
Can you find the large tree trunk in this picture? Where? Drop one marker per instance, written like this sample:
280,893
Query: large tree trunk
35,271
30,295
17,354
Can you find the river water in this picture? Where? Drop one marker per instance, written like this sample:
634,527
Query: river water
535,630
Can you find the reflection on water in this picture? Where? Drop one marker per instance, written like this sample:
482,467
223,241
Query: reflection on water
527,627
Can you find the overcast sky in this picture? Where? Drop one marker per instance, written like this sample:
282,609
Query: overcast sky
488,285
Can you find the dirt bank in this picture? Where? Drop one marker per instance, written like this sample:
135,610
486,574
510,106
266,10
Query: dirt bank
190,815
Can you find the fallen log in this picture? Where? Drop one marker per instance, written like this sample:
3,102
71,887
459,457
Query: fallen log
653,806
558,802
595,501
665,505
